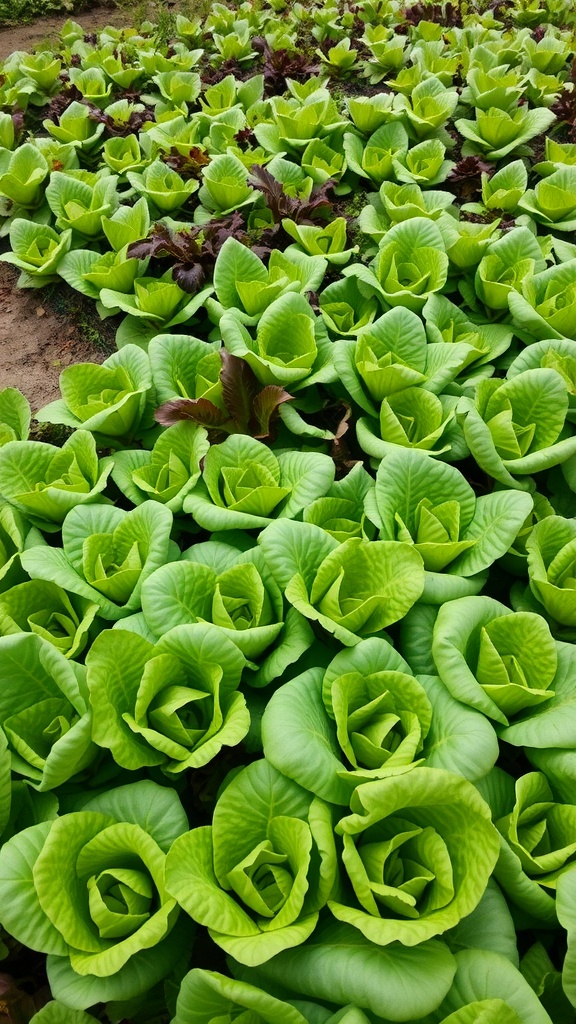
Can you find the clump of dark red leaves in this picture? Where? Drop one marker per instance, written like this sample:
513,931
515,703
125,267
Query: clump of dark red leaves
282,64
193,251
188,165
248,407
18,118
502,10
121,128
17,1006
69,94
448,14
212,75
340,450
245,138
318,206
466,176
565,105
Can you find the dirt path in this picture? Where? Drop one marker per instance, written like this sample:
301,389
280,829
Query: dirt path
40,335
26,37
42,331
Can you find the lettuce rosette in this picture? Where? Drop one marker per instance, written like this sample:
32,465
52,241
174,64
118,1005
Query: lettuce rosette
420,501
235,590
245,485
154,306
555,354
543,304
418,850
173,704
45,482
366,717
411,265
43,608
538,845
341,512
499,661
353,589
551,551
480,343
44,711
291,348
413,418
107,554
517,427
392,354
114,400
37,251
259,875
89,889
166,473
246,287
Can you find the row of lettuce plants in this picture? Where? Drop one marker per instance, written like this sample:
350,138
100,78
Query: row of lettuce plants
288,612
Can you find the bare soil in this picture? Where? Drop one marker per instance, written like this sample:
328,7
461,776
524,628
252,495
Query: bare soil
26,37
43,330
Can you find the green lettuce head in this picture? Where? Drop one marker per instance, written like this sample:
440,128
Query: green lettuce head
245,485
215,582
392,355
113,400
46,482
543,305
155,305
162,186
551,550
413,418
418,851
89,890
36,250
166,473
107,554
429,504
353,589
553,201
496,133
291,347
43,608
538,845
499,661
174,704
517,427
258,876
367,717
44,711
411,265
79,204
22,175
245,286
